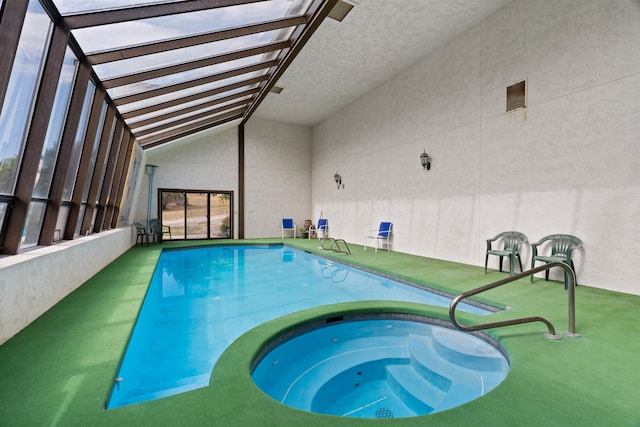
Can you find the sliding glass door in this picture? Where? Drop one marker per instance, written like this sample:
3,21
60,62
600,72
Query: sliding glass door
220,215
199,214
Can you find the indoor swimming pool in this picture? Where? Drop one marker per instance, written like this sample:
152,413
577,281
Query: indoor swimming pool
200,300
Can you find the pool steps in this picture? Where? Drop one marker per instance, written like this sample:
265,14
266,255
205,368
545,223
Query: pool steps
423,382
453,347
420,395
301,394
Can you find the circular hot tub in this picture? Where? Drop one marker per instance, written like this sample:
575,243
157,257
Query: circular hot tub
391,366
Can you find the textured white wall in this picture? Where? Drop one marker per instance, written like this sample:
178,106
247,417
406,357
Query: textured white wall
32,282
204,161
277,172
569,163
277,176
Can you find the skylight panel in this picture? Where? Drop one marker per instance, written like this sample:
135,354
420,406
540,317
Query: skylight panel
68,7
147,121
202,88
191,117
113,69
130,89
131,33
153,102
193,125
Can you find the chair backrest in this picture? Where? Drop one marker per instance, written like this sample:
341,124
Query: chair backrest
385,229
155,225
287,223
563,243
512,239
141,229
322,224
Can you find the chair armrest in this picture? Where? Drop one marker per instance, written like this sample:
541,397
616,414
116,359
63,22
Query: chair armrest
534,248
494,238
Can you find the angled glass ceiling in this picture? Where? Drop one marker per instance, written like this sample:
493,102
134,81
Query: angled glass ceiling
173,68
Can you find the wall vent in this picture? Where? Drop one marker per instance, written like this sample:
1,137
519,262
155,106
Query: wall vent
516,96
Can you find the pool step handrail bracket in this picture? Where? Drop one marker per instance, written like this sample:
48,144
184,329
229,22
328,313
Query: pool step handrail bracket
551,334
334,245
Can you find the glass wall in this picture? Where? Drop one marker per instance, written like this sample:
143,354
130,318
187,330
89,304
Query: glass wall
50,148
92,165
74,161
56,125
47,153
19,100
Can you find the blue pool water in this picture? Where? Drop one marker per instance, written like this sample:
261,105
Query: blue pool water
380,368
200,300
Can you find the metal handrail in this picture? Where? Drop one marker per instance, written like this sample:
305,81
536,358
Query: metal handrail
569,273
336,243
335,246
325,239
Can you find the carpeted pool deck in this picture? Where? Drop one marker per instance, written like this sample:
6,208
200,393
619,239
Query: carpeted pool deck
58,371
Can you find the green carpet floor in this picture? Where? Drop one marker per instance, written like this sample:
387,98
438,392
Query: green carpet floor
58,370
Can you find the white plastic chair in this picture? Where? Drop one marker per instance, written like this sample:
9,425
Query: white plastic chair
322,227
382,236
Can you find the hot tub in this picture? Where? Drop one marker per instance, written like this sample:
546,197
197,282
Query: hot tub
389,366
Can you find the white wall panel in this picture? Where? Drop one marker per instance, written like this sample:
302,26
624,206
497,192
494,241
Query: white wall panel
34,281
568,163
204,161
277,176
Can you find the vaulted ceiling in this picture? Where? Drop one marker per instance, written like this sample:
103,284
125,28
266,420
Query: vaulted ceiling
175,68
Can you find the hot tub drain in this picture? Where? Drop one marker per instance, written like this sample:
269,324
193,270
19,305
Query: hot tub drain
384,413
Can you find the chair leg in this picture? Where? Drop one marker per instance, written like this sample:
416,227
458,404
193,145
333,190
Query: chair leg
533,263
486,261
512,262
500,264
520,262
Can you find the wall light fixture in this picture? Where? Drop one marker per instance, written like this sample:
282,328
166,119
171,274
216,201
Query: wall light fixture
425,160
